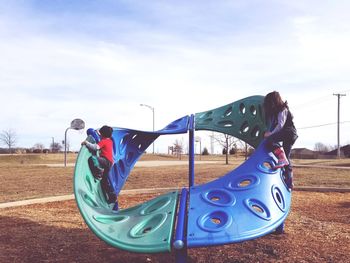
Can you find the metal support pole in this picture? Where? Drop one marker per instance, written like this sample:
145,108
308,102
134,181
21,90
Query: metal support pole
180,240
338,124
191,151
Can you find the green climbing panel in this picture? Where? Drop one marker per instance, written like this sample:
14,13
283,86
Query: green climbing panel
146,228
243,119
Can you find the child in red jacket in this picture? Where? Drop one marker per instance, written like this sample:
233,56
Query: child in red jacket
100,165
105,148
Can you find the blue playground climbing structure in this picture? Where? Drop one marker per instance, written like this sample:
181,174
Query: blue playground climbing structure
246,203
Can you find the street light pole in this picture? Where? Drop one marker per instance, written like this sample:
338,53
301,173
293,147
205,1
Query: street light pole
53,144
152,109
338,133
198,139
65,147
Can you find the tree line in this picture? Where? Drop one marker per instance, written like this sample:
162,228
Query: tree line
9,138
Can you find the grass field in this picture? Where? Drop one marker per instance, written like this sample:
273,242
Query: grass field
27,176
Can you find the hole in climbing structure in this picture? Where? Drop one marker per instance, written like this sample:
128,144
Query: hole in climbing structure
255,132
89,200
123,142
244,127
216,221
156,206
219,197
242,108
225,124
267,165
278,197
253,110
228,112
206,115
258,209
148,225
245,183
146,230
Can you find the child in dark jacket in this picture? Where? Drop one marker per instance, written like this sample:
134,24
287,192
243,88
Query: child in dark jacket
281,129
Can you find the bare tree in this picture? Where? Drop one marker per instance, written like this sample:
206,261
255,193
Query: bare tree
226,141
9,138
178,147
56,147
39,146
248,150
321,148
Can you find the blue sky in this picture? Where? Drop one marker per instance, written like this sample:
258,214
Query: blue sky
98,60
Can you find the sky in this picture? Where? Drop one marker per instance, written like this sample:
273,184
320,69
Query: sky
99,60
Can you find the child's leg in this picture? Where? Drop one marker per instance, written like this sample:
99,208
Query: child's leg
288,172
108,190
282,158
111,196
95,167
288,176
272,143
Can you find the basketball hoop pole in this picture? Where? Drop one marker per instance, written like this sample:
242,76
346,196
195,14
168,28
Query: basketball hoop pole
76,124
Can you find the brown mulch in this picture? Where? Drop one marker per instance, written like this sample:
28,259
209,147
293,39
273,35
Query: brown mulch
317,230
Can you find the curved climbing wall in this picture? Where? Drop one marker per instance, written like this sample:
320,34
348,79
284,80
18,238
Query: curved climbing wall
129,145
247,203
144,228
243,119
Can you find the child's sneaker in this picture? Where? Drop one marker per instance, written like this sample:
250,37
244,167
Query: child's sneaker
116,206
281,163
282,159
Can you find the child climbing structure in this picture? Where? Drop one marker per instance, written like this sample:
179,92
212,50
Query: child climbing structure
246,203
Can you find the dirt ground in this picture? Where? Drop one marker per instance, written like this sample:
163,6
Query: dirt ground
317,230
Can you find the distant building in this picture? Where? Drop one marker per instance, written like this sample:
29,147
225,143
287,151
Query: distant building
344,151
303,153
